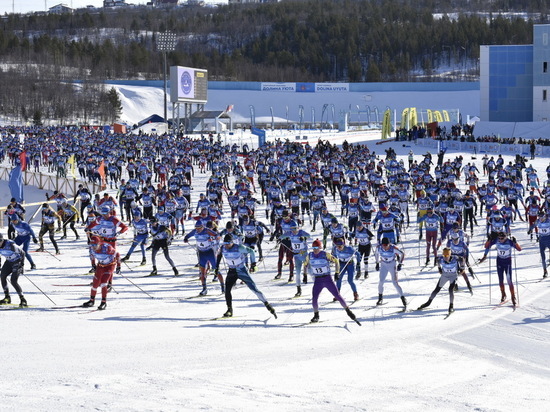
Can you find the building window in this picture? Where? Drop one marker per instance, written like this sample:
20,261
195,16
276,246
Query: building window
545,67
544,95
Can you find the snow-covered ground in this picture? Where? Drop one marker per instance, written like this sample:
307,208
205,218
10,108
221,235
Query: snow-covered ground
156,347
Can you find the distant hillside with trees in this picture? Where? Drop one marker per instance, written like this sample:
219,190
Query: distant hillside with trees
293,40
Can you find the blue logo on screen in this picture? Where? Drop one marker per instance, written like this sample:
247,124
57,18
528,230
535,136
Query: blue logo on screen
186,82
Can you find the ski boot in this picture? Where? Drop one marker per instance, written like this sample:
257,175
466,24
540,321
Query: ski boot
270,309
143,262
40,249
88,304
503,298
204,291
380,300
304,280
451,308
33,266
358,274
176,273
228,313
514,302
125,258
366,275
102,305
351,314
315,317
278,276
471,290
154,271
290,278
456,287
6,300
427,261
23,302
545,275
404,300
92,270
298,292
425,305
355,296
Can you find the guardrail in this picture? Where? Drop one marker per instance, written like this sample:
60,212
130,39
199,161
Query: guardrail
490,148
66,185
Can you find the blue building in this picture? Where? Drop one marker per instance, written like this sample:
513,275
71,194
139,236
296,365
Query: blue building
515,80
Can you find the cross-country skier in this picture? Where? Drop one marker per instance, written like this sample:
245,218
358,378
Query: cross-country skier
389,259
234,256
318,263
13,266
449,267
107,262
504,248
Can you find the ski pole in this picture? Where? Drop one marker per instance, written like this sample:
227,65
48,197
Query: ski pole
419,259
127,265
490,283
124,277
516,271
34,284
51,254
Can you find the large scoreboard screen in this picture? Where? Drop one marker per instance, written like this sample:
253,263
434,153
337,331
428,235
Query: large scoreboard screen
188,85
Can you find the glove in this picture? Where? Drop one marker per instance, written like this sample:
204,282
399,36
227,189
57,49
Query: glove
513,239
302,238
117,271
399,267
253,267
440,270
377,267
185,240
34,240
216,271
336,277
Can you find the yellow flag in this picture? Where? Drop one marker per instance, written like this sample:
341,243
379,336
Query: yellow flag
405,119
386,124
430,116
446,116
437,115
72,165
413,121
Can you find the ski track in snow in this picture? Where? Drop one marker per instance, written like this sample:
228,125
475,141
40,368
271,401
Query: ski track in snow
161,354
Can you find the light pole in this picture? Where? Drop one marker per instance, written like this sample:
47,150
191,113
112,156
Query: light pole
166,42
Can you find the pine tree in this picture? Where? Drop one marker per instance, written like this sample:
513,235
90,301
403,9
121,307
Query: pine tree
115,103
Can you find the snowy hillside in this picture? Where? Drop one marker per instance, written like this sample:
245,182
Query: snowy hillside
158,347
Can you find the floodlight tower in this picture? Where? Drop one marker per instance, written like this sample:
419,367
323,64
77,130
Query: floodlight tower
166,42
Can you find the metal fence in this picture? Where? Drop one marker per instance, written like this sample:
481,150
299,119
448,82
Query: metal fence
66,185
